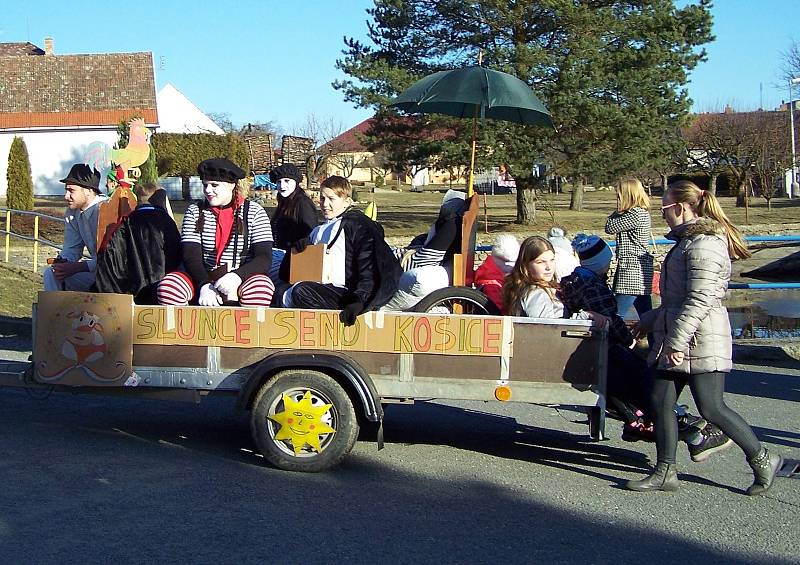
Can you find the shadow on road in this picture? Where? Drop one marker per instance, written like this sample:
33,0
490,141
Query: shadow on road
114,479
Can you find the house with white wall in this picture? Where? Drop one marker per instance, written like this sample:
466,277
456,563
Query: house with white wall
59,104
177,114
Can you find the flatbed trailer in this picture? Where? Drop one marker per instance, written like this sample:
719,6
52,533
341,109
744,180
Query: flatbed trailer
308,381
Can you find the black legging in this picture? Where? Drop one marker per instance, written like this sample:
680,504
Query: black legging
707,389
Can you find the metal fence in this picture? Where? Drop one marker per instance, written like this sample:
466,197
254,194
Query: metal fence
37,241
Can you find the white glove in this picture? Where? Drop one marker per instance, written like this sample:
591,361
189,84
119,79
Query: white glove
228,284
209,296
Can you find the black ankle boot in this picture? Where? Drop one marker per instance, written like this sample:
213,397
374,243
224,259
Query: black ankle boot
664,477
764,466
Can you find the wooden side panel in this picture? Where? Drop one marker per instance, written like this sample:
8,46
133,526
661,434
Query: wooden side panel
555,353
192,356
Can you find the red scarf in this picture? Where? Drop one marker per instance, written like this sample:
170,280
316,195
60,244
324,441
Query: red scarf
226,218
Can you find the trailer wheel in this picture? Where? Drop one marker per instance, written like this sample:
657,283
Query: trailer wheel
303,420
457,299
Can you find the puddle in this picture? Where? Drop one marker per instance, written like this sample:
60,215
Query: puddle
767,314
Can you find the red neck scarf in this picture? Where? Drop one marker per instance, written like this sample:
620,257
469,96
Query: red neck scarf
226,219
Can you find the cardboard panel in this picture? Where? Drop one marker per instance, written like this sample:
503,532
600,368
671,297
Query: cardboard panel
83,338
275,328
308,265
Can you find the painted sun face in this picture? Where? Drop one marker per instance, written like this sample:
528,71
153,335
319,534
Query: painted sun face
218,193
301,422
286,187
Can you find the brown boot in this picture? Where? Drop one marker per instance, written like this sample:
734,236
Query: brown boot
764,466
664,477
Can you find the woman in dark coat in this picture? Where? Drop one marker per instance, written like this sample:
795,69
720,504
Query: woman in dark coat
294,218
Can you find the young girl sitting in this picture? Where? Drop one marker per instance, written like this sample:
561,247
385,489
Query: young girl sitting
530,287
531,290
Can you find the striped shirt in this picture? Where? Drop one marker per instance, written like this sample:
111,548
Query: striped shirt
427,257
258,231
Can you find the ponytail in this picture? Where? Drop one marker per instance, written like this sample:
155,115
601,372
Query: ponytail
705,205
708,207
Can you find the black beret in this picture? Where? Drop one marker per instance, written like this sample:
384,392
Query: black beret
83,175
219,169
286,171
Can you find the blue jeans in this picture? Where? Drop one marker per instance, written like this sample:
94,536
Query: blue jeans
642,303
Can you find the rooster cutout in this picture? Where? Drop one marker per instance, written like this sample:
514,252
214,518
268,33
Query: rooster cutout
123,161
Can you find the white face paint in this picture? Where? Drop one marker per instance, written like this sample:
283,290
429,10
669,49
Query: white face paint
286,187
218,193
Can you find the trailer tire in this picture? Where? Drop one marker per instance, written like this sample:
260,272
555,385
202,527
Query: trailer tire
471,301
341,416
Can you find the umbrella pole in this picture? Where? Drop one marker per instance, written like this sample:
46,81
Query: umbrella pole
470,189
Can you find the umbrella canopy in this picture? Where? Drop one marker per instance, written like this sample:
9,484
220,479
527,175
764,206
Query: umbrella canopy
473,91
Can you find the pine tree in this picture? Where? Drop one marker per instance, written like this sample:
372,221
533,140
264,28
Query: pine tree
20,183
612,74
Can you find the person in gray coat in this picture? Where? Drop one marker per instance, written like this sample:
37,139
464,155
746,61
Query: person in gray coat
693,335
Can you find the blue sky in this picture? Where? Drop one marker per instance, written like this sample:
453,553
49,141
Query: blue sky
274,60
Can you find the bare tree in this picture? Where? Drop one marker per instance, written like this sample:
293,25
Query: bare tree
725,142
772,156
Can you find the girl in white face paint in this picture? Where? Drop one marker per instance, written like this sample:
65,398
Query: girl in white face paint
296,215
226,243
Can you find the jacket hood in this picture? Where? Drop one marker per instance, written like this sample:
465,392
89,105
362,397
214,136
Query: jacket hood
700,226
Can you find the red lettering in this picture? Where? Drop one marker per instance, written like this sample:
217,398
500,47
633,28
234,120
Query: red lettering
490,336
422,324
183,332
242,325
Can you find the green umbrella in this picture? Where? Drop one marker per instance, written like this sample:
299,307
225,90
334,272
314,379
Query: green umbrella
472,92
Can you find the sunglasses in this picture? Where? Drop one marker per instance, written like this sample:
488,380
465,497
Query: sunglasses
664,208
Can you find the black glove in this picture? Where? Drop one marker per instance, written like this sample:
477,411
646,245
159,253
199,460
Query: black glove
300,245
350,312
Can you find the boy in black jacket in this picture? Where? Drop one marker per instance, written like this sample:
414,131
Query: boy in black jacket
364,271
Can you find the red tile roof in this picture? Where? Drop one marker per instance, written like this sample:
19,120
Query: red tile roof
27,48
351,140
76,90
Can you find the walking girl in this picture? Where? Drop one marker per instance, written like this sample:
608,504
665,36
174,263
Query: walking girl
693,335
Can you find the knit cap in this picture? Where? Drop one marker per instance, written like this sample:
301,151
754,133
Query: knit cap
593,252
505,252
559,239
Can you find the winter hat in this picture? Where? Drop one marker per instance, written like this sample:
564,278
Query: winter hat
286,171
594,253
559,239
454,200
219,169
505,252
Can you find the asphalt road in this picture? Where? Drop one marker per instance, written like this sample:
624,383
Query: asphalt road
95,479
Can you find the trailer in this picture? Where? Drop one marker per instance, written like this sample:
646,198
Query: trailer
309,382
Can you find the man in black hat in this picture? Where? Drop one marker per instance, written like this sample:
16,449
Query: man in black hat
82,193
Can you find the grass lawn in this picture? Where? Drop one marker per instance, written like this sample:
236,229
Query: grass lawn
404,215
18,290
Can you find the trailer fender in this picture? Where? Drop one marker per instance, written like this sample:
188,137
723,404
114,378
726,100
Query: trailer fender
339,366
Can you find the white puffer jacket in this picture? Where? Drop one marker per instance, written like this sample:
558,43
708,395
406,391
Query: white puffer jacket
692,318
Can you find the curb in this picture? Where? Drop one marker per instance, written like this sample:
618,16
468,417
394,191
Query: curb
781,354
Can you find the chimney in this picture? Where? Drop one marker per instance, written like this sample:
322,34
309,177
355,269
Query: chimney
48,45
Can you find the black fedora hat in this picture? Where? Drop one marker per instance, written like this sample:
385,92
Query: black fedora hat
83,175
